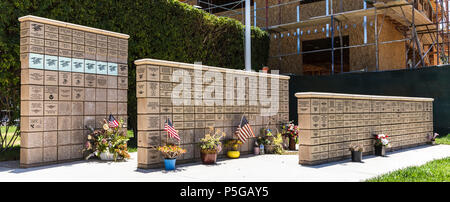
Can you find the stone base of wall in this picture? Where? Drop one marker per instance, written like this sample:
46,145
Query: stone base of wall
49,163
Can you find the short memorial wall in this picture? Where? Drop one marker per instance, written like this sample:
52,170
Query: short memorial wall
72,77
329,123
197,97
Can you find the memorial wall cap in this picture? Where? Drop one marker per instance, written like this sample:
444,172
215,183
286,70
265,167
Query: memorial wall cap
148,61
72,26
358,96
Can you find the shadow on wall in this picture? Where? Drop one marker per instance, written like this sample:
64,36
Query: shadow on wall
429,82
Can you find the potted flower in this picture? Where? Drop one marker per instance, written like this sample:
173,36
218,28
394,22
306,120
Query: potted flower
381,142
273,144
170,153
432,138
259,146
290,130
233,145
356,153
268,142
210,145
108,144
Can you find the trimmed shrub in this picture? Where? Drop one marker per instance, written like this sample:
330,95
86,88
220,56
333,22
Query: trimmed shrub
159,29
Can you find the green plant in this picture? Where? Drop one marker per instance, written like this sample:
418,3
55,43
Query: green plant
171,151
261,141
107,140
443,139
278,144
432,171
233,144
211,142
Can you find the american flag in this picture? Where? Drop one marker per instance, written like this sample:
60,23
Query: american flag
168,126
112,122
244,130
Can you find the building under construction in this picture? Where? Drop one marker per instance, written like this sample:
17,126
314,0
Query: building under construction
321,37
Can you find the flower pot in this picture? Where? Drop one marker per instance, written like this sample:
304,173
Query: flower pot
106,156
208,158
256,150
380,151
169,164
233,154
356,156
292,143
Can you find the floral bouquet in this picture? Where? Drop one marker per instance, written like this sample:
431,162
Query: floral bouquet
109,140
290,130
381,140
233,144
171,151
211,142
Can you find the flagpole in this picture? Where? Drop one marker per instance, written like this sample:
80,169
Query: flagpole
240,123
167,136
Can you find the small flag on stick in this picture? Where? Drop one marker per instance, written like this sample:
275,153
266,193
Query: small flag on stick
112,122
168,126
244,130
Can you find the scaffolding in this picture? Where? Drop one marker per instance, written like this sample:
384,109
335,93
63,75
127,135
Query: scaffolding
424,24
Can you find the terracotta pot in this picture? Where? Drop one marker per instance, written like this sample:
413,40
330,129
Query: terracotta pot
208,158
292,143
256,150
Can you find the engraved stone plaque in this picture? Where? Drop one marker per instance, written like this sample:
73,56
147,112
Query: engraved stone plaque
65,64
36,61
50,62
51,78
51,93
102,81
65,79
50,108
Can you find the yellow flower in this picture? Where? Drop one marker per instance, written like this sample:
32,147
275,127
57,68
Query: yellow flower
105,126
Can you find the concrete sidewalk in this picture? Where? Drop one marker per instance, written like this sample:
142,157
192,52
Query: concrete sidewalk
278,168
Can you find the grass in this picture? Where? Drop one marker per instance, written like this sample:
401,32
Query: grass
433,171
443,140
132,143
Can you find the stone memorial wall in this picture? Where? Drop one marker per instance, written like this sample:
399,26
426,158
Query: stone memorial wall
72,76
158,83
329,123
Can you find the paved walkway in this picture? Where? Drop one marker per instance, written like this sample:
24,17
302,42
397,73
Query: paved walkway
246,169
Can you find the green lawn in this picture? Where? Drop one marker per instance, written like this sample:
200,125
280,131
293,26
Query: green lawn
11,131
433,171
443,140
132,145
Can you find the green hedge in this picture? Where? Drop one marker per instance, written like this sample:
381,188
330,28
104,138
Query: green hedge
160,29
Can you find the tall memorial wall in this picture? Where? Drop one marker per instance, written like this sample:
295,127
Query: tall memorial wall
329,123
72,77
158,85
